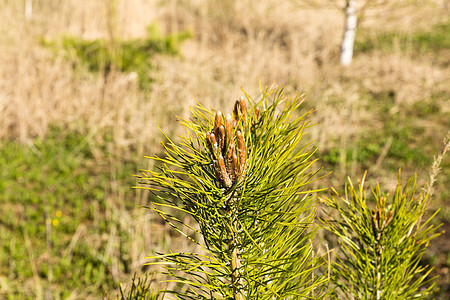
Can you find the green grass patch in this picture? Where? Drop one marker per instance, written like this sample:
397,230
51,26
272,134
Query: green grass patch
134,55
409,128
433,42
47,191
405,151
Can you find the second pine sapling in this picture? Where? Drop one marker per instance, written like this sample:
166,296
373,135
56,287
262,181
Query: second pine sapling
381,245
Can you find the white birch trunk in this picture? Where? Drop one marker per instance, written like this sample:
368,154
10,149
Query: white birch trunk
28,9
349,34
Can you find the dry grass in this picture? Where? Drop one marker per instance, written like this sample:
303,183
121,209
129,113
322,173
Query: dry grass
237,44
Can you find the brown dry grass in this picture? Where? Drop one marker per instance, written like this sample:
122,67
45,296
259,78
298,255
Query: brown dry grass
237,44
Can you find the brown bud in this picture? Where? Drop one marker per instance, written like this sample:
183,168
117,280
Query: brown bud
217,122
375,220
217,172
243,109
230,163
389,218
242,153
230,148
214,142
222,139
242,104
235,162
224,179
208,142
236,114
229,128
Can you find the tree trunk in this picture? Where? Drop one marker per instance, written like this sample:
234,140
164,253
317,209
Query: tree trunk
349,34
28,9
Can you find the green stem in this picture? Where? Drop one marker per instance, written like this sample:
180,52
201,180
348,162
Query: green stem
236,282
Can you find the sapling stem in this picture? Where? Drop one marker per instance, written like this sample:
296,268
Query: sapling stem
377,268
236,281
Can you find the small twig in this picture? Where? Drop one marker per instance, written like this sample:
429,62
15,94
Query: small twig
435,167
383,153
78,233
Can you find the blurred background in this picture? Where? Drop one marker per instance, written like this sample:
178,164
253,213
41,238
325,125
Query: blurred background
84,85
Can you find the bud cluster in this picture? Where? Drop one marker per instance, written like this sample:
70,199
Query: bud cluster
227,145
381,218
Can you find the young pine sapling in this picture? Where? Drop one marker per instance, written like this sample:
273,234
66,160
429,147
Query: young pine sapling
381,247
245,179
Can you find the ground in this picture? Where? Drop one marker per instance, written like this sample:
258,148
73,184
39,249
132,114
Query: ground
75,126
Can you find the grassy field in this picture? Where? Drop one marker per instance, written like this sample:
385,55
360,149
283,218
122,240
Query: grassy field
84,86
